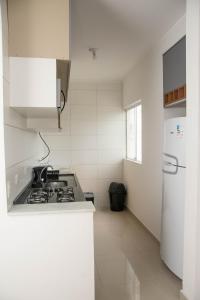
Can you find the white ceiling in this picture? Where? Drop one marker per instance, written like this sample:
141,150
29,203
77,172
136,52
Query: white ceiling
121,30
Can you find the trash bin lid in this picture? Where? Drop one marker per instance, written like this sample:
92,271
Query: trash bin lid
117,188
89,195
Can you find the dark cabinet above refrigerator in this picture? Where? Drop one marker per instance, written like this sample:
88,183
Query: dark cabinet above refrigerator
174,74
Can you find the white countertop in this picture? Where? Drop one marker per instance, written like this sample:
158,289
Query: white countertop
52,208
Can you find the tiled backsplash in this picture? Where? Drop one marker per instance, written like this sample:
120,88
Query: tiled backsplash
22,149
17,177
92,142
22,146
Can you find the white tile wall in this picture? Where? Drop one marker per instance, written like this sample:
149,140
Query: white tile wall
80,97
58,142
110,156
84,142
84,157
83,112
109,113
110,171
92,144
60,158
17,177
83,127
21,146
109,97
22,149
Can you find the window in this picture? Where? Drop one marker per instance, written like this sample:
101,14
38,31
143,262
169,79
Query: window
134,133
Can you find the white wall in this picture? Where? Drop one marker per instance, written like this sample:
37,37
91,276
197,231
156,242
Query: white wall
92,140
144,182
21,146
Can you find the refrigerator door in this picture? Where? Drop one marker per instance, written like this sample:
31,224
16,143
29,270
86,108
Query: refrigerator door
174,141
173,219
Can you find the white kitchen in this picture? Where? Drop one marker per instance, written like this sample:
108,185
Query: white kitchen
99,176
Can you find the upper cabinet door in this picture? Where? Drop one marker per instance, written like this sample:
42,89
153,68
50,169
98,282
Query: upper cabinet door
33,82
39,28
174,73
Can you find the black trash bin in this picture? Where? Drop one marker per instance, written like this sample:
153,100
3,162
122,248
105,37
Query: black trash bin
117,193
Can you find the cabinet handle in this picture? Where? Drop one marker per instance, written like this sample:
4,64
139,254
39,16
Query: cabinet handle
59,113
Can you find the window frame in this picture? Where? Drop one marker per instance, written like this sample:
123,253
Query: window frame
131,106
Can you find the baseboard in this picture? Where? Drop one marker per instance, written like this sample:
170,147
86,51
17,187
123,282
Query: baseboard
182,296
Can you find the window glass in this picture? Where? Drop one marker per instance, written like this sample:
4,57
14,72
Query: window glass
134,133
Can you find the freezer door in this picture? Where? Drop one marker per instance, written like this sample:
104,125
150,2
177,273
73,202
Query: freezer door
173,220
174,139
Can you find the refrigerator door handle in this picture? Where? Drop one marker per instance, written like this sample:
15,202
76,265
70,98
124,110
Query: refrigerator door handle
173,157
171,172
167,163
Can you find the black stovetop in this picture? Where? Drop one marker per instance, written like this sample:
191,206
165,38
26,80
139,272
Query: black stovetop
64,189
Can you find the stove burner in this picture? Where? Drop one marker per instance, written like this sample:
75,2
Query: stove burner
65,199
40,196
65,195
37,200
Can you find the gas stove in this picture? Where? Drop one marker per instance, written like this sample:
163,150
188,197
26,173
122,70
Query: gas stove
49,195
62,189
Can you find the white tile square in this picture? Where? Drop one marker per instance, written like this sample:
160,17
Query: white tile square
84,142
19,145
83,128
83,97
60,159
88,185
112,156
109,98
85,171
110,142
111,128
84,157
109,114
80,85
83,112
111,85
58,142
110,171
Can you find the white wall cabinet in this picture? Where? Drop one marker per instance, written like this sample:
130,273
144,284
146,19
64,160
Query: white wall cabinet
36,85
33,82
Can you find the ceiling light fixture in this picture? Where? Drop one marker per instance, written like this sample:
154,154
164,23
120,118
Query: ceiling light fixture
94,52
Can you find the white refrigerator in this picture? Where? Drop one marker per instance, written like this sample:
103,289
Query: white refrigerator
174,169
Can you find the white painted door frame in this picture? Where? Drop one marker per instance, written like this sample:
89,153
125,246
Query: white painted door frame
3,204
191,271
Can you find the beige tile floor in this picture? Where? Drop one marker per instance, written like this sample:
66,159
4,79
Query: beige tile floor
127,261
